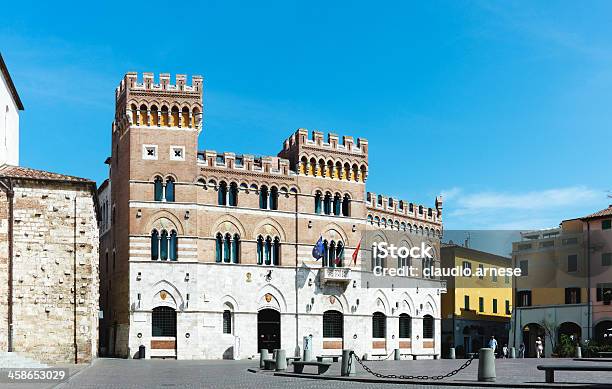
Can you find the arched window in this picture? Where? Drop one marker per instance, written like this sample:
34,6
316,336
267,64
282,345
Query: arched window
233,194
219,248
263,197
274,198
379,325
390,201
331,257
222,193
154,247
170,189
174,117
227,248
327,203
346,206
276,252
380,200
173,246
144,119
260,250
401,205
154,116
377,220
405,326
163,243
333,324
370,219
134,114
185,117
337,204
164,116
236,249
158,189
318,201
325,253
268,251
428,327
227,322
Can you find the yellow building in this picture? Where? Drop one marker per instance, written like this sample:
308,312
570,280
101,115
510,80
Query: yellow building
478,303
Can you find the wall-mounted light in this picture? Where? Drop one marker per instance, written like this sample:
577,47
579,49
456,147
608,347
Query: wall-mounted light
357,302
139,213
354,228
309,223
186,277
187,303
186,215
310,282
354,283
187,335
138,300
139,335
312,301
397,304
138,276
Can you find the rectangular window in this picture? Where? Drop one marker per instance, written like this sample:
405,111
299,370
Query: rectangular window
568,241
467,265
606,224
604,293
507,279
548,243
524,266
494,275
572,295
606,259
466,302
149,152
481,268
572,263
177,153
523,298
508,307
494,305
227,322
480,304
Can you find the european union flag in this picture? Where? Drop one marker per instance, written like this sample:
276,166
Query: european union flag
317,250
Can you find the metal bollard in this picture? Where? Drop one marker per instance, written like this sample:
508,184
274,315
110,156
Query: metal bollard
451,353
281,360
263,354
307,355
512,353
274,353
365,357
396,354
578,352
486,365
347,369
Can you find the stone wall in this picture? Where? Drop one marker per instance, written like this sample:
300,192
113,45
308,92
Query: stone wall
45,238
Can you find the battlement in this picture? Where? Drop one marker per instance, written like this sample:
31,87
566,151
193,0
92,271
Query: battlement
397,207
317,141
132,82
245,163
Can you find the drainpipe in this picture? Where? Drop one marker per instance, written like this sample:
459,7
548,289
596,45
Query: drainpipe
7,186
74,283
588,248
297,307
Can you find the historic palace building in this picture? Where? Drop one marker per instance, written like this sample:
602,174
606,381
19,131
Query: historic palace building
209,255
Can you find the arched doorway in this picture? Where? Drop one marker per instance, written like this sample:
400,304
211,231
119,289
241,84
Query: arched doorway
570,329
531,332
163,333
268,329
603,332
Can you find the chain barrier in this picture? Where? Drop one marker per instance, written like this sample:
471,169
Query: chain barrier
414,377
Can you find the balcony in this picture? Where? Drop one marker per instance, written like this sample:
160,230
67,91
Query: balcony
337,275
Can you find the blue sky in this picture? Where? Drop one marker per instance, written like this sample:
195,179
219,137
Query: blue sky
504,107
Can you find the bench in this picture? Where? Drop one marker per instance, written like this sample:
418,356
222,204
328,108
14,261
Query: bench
269,364
380,356
605,354
322,367
549,370
334,358
414,356
290,360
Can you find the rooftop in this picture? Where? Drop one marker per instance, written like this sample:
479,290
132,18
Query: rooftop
603,213
11,86
21,172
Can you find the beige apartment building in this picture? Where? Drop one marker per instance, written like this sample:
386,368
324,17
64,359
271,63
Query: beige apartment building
209,255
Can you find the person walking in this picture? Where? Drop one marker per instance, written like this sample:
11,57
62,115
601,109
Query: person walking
539,347
505,351
493,345
522,350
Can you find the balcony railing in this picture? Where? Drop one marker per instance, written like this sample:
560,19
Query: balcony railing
335,275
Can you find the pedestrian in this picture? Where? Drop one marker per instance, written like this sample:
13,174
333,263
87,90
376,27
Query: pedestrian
493,344
522,350
539,347
505,351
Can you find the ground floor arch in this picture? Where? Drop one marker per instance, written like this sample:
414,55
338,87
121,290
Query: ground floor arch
570,329
531,333
163,332
603,332
268,329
